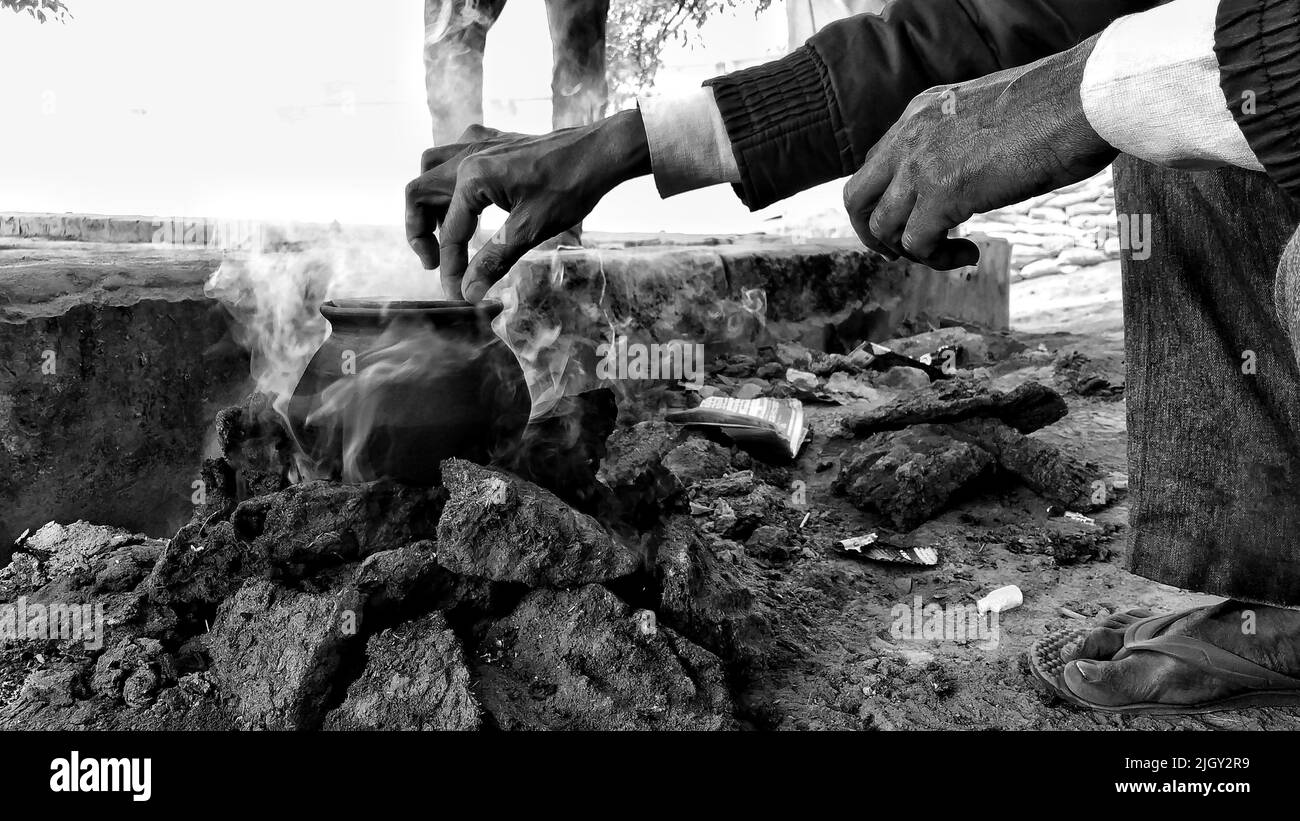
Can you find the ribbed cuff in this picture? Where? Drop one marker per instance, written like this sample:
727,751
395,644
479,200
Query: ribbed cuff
784,127
1257,43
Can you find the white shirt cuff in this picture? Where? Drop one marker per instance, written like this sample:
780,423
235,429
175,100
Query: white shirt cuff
1151,89
689,147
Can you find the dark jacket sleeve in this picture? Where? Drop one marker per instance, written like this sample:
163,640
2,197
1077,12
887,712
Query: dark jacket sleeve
1257,43
813,115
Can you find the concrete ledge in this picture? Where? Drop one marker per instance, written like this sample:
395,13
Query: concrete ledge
707,293
733,297
252,235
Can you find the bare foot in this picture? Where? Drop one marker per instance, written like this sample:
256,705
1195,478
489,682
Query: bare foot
1267,636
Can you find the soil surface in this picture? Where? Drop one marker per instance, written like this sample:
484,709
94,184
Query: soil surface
855,675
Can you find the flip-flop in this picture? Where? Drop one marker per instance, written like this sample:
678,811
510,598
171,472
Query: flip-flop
1051,656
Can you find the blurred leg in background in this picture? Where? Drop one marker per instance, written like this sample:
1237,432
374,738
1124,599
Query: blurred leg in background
455,33
579,89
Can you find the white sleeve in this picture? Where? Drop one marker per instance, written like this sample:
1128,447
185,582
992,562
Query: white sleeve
1151,89
689,147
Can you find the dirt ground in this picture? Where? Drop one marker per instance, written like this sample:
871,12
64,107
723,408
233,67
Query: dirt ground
849,672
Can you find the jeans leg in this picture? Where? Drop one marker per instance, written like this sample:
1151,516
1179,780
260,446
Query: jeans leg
1213,386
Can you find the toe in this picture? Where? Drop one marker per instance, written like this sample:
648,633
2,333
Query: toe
1106,683
1100,643
1142,678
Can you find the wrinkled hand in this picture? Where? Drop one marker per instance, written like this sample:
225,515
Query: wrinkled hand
971,148
547,182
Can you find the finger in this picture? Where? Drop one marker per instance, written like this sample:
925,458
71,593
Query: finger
876,245
953,253
865,187
467,203
859,220
477,132
861,193
927,227
495,259
891,212
440,154
420,223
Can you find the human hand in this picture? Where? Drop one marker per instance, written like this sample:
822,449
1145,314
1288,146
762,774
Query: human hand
971,148
546,182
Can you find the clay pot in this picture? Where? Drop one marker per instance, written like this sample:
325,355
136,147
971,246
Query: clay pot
400,386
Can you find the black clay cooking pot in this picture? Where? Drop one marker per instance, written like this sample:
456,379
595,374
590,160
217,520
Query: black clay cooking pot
400,386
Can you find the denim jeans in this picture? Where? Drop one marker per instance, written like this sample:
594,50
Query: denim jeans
1213,385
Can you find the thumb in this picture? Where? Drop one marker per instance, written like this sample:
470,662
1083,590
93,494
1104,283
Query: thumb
498,255
954,253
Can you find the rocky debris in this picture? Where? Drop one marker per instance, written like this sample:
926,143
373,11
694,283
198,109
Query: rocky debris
499,527
633,469
101,558
23,573
903,379
1067,542
563,451
973,349
415,679
290,534
57,697
740,502
697,460
256,446
580,660
125,567
1085,376
713,593
1026,408
256,458
404,582
91,569
771,542
133,670
910,475
275,651
60,686
1042,468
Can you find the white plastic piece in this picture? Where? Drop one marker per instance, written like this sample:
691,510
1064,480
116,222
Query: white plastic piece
1001,600
856,543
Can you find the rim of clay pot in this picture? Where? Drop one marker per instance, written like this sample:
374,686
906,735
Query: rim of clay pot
376,308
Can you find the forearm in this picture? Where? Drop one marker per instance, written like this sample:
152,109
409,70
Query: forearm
813,115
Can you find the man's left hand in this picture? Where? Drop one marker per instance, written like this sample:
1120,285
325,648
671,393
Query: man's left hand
971,148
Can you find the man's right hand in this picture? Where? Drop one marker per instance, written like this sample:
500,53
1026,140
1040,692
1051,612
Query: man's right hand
546,182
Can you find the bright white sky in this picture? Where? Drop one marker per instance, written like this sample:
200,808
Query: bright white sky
232,109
